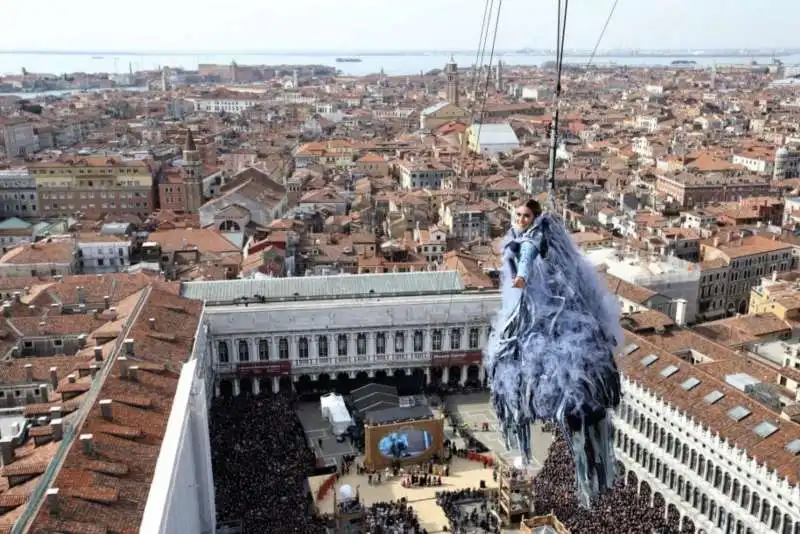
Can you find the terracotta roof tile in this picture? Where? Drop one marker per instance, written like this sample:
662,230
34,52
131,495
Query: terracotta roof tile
126,447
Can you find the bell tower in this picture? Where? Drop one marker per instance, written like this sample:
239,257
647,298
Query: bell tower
192,174
451,71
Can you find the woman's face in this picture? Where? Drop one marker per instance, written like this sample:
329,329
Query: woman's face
523,217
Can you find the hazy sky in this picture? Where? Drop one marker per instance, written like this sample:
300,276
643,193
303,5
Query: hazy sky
363,25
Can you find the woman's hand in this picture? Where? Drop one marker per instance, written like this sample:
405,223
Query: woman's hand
519,282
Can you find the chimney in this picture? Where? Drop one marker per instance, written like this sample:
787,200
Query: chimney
152,322
94,369
81,296
123,366
129,346
86,444
98,353
680,312
58,429
42,327
55,412
17,296
105,409
133,373
82,340
107,301
56,308
112,313
51,498
716,242
7,450
28,373
32,309
44,392
6,310
54,377
774,276
71,378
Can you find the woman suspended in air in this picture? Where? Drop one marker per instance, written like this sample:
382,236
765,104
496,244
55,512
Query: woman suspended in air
550,354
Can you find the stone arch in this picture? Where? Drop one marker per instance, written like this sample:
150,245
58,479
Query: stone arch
632,479
474,375
246,385
226,388
659,503
304,384
324,382
285,384
265,385
645,491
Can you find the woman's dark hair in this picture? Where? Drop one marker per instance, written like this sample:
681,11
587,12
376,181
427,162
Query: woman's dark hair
532,205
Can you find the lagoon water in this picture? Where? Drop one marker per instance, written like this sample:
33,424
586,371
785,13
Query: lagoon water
395,65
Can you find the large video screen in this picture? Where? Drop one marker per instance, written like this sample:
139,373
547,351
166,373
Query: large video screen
406,443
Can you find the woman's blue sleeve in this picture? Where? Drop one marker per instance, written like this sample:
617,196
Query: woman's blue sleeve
527,254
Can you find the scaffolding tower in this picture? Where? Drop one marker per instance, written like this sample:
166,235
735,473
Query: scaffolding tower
514,497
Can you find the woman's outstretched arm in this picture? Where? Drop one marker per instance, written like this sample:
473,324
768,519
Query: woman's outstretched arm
527,255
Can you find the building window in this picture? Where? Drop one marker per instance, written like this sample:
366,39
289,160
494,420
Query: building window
322,346
380,343
436,338
361,344
419,341
302,347
283,348
474,338
341,344
455,339
222,349
263,349
399,342
244,351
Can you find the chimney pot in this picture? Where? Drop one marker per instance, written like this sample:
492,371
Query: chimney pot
17,296
55,412
129,346
94,369
28,373
107,301
54,377
98,353
123,366
81,297
71,378
105,409
52,500
44,392
86,443
133,373
82,340
58,428
56,307
152,322
7,450
7,310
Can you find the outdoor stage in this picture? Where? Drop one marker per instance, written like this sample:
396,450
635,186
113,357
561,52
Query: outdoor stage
463,474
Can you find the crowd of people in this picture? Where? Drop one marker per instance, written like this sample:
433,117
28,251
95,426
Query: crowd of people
468,511
619,510
395,517
261,459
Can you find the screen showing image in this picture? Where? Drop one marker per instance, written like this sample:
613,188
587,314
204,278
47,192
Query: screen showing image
405,443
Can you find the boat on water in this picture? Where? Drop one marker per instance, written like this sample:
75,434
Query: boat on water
348,60
684,62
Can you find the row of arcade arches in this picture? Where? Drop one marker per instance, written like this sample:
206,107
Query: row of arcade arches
342,382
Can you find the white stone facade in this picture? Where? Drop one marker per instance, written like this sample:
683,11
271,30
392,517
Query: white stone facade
437,335
707,479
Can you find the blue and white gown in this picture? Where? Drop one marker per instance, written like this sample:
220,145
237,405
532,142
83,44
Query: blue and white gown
550,355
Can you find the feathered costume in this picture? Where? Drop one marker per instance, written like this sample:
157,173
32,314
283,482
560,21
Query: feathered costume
550,353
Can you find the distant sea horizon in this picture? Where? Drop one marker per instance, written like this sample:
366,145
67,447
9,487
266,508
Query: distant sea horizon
393,64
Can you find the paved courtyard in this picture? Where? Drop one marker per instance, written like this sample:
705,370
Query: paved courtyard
474,410
317,428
